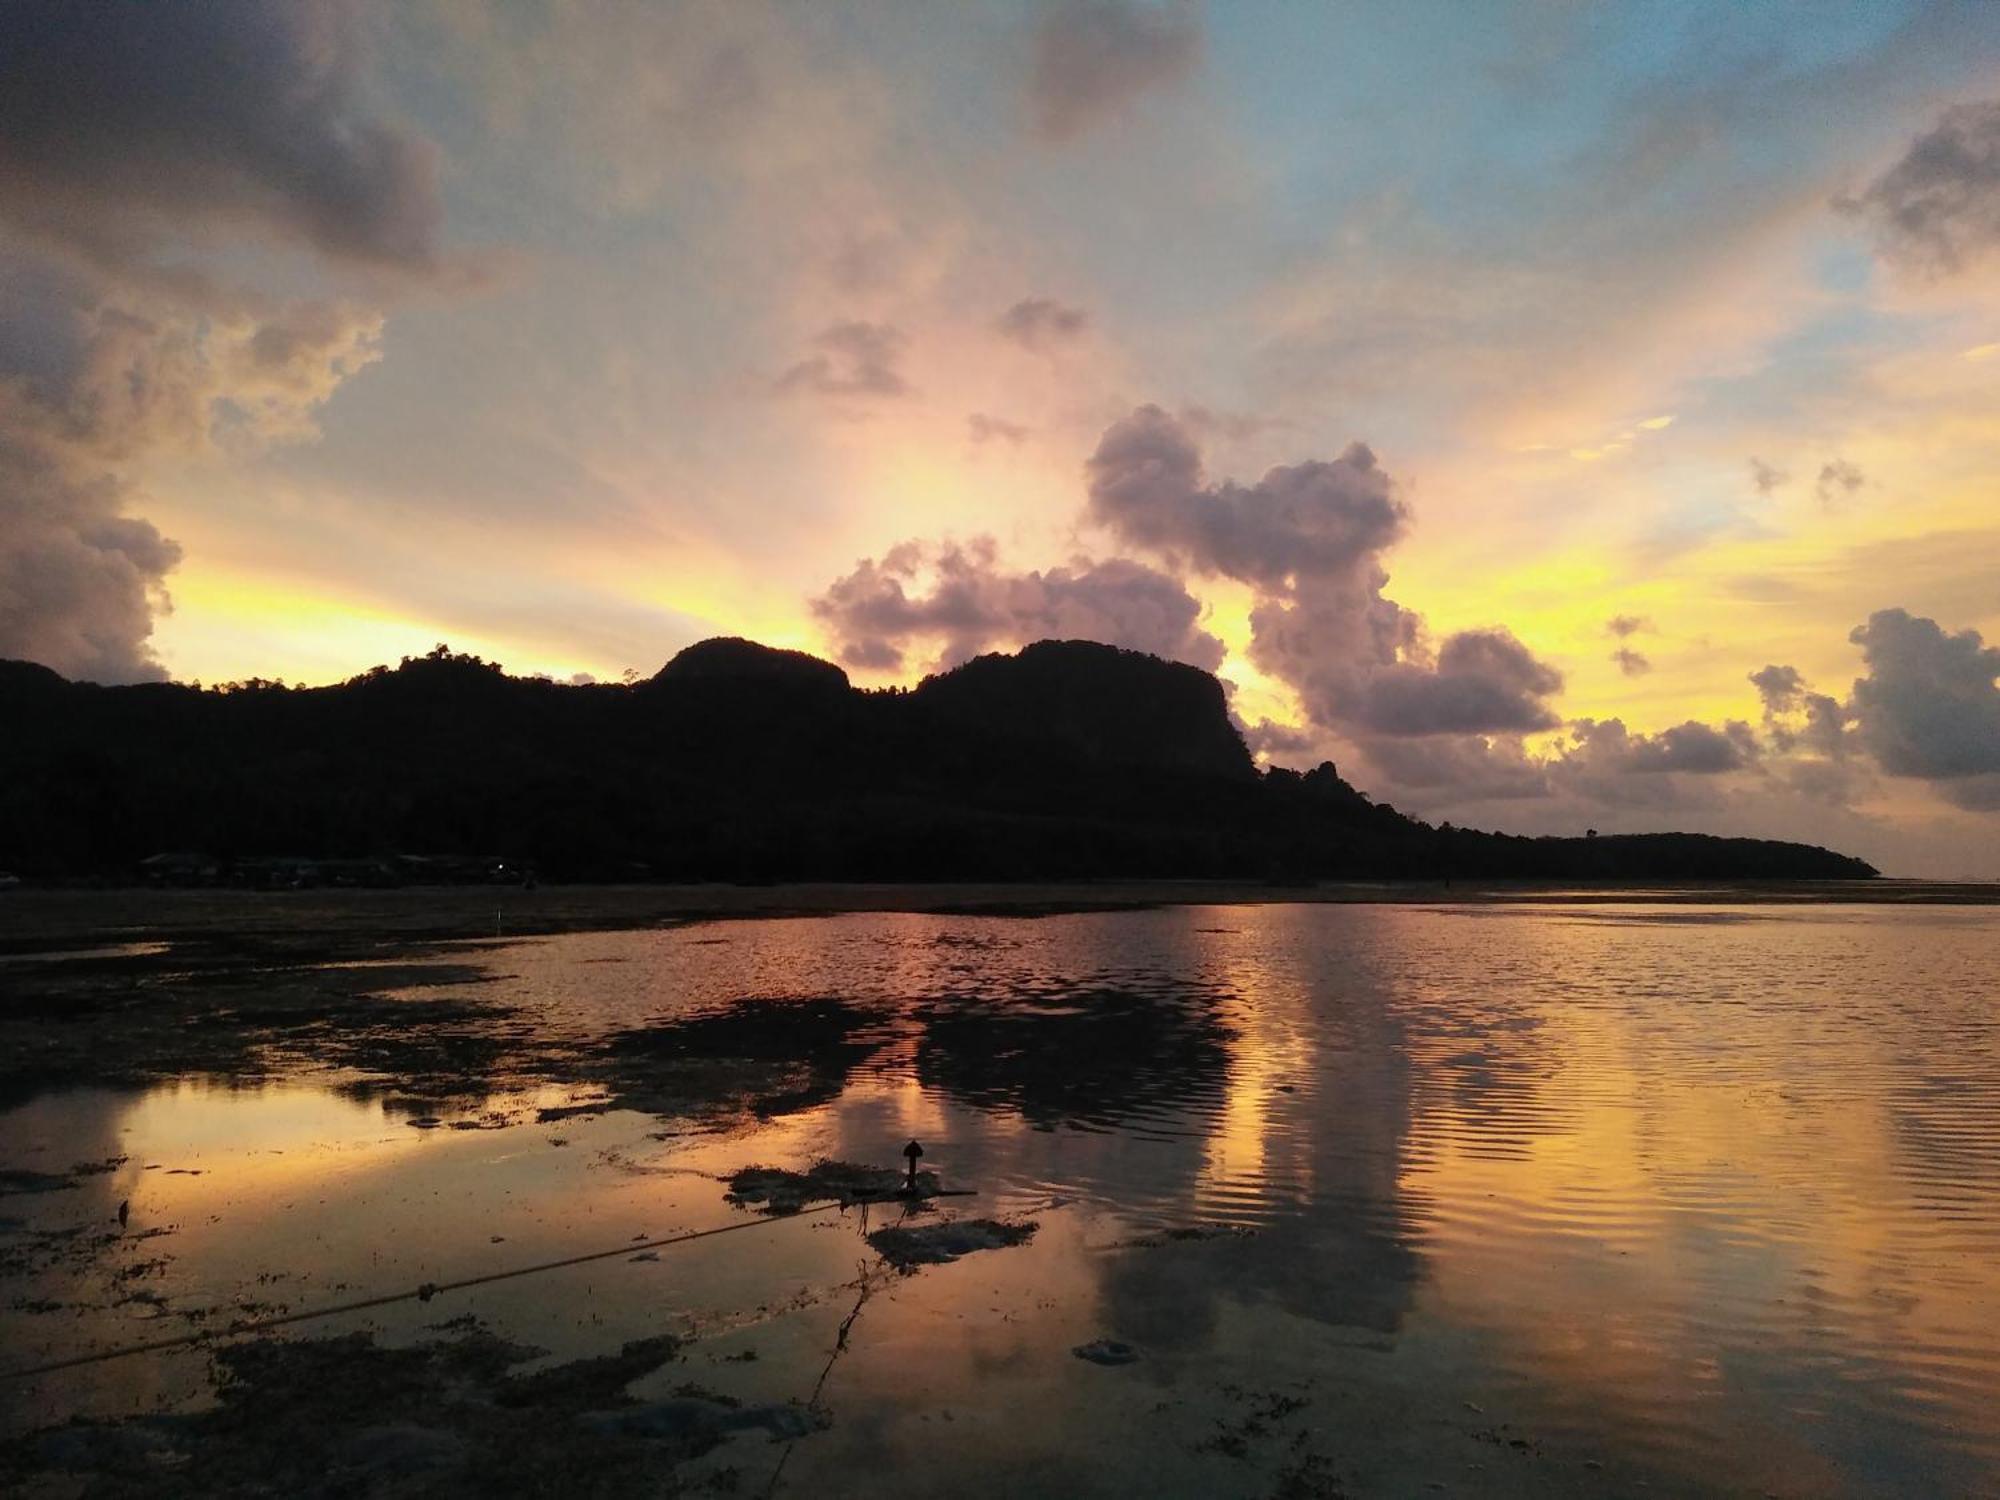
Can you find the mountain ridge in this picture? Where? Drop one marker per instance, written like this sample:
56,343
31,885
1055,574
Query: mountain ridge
738,761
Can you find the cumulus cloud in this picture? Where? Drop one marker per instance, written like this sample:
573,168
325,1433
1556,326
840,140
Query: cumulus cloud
1797,717
129,145
1481,682
1929,705
79,581
1632,663
1315,520
96,380
1692,747
982,428
1623,626
1308,539
960,599
1464,768
852,359
1928,708
1269,738
1093,59
1779,687
1838,479
1041,324
205,120
1937,210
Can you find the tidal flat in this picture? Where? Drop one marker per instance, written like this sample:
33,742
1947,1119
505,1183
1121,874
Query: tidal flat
1515,1192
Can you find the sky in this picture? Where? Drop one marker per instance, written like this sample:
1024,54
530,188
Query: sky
1558,415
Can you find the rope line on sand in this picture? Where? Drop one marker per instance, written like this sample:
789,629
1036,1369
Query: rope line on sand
430,1289
866,1285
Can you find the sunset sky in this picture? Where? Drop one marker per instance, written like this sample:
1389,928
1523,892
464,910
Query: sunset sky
1558,415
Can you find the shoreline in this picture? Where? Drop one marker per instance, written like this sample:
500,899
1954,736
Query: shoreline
46,920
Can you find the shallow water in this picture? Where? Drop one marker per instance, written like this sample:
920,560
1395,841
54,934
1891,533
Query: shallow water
1530,1199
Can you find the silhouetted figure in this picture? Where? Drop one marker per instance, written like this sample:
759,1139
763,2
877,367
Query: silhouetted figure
912,1152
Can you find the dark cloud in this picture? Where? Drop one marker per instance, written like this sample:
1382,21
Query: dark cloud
1308,539
1482,682
98,378
132,139
1623,626
1093,59
121,124
1973,793
984,429
1786,697
1464,768
854,359
1826,725
1283,742
1632,663
1605,745
79,581
1327,645
1838,480
1836,783
1937,210
1042,324
1929,705
960,597
1315,520
1779,687
1764,477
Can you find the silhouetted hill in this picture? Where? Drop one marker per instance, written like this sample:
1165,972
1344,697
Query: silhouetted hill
734,762
1098,702
732,659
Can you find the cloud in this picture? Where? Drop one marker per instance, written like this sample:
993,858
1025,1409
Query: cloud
854,359
960,598
79,581
1623,626
1359,664
1482,682
130,143
1764,478
1973,793
1838,480
1093,59
1937,210
1041,324
1780,688
1315,520
1266,737
1467,768
205,121
1308,539
985,429
97,380
1692,747
1632,663
1929,705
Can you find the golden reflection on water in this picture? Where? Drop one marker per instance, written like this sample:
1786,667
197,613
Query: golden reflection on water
1707,1200
1675,1210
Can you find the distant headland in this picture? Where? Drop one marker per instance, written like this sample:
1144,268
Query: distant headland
735,762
